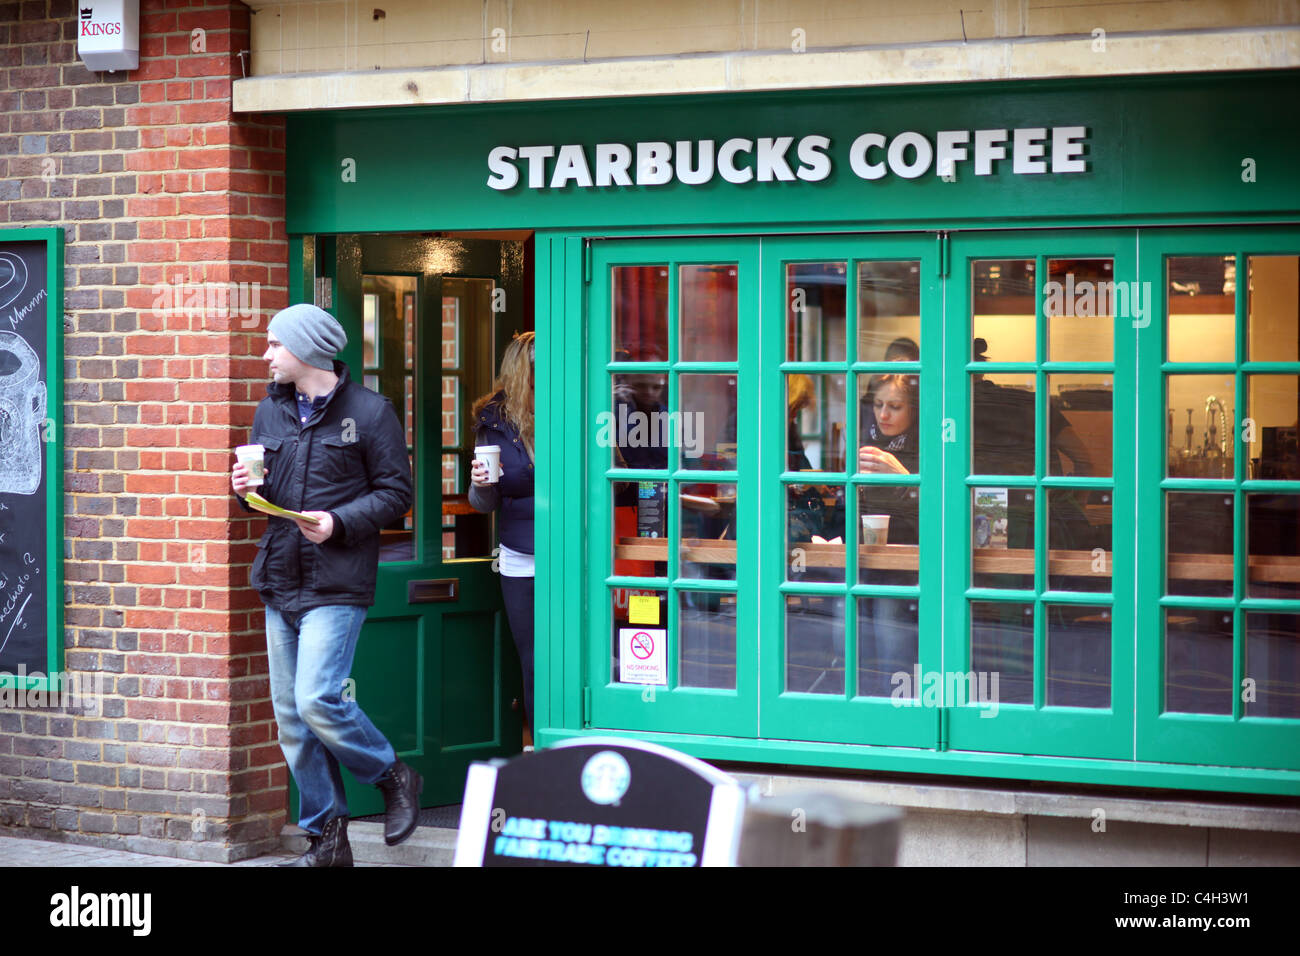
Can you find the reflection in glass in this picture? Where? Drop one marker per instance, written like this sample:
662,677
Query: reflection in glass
888,520
814,644
887,645
1199,542
815,423
1273,663
707,321
1078,656
639,428
708,531
888,416
640,298
1002,309
1002,643
631,617
1202,309
1080,300
1274,410
640,528
1002,537
1273,546
1273,308
889,311
815,533
815,311
1002,426
1199,414
707,639
705,431
1078,540
1198,661
1079,433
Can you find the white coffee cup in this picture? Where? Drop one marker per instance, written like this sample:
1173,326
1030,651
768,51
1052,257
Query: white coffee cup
252,457
490,455
875,529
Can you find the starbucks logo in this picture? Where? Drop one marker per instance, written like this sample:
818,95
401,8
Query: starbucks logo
606,777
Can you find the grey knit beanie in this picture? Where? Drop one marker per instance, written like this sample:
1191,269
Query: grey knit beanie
311,334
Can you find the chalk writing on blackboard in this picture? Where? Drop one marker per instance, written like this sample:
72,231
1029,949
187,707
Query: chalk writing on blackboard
22,411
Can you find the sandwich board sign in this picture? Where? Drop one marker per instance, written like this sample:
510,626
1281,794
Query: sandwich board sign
600,801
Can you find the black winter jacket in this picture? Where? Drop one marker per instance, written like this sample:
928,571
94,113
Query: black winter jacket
349,459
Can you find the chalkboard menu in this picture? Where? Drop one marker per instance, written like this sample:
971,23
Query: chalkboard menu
30,480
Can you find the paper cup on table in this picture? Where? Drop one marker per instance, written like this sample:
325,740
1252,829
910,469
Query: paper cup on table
490,455
875,529
253,458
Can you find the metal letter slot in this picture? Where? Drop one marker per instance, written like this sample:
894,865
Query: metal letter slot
432,591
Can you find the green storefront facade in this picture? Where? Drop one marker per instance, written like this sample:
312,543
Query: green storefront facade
1080,560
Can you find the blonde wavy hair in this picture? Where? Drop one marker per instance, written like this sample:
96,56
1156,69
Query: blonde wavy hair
514,385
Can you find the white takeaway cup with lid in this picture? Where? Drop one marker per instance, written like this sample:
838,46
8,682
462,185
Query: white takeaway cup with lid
490,455
253,458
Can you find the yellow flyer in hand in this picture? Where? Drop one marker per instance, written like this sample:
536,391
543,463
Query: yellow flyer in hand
258,503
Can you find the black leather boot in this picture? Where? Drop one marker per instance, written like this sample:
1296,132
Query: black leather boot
331,848
401,787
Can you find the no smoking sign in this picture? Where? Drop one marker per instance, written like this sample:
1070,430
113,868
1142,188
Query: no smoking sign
641,658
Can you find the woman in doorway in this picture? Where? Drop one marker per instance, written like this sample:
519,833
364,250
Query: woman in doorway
888,626
504,418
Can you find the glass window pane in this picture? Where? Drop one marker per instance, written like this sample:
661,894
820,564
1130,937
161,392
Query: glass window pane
1199,543
1198,661
888,413
1202,308
450,333
640,297
1274,410
642,625
640,525
1002,643
638,428
708,530
887,645
1002,538
1080,300
1273,663
889,311
815,533
707,639
1078,656
1273,308
1002,309
1002,412
1080,420
705,428
815,296
814,643
707,328
815,425
1078,540
888,516
465,532
1200,411
1273,546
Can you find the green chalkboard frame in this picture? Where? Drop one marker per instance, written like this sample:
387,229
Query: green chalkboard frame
39,689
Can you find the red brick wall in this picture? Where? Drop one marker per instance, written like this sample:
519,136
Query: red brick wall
155,181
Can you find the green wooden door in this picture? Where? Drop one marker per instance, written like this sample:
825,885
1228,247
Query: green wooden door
1219,561
1039,501
848,321
435,667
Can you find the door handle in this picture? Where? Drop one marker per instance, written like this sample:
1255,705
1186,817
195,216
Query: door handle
432,591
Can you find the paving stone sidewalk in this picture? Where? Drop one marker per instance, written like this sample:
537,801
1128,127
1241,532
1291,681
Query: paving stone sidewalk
19,851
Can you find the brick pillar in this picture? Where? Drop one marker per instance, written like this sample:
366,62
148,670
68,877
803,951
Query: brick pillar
176,255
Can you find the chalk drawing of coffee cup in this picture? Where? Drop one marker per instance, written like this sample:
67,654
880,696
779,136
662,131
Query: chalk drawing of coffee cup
22,413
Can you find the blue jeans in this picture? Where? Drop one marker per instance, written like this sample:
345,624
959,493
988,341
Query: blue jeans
310,656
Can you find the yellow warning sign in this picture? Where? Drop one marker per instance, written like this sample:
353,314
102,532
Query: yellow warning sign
643,609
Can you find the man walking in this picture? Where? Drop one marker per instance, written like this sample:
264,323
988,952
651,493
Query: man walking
335,451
